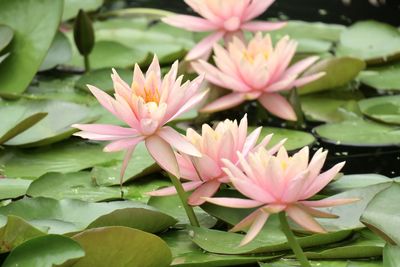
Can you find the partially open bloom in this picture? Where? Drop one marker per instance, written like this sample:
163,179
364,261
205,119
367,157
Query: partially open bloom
146,106
280,183
224,18
257,71
204,174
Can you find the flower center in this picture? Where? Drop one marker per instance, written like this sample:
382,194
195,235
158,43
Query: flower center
147,94
250,56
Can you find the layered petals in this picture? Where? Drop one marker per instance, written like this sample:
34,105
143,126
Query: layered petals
278,105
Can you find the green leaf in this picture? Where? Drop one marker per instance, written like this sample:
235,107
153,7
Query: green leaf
31,40
52,129
339,72
354,181
356,41
138,189
60,52
15,232
71,7
44,251
382,78
6,35
186,253
382,214
101,79
13,188
69,215
64,157
325,263
359,132
83,33
384,108
391,256
121,247
295,139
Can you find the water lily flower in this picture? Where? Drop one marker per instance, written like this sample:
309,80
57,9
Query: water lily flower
146,106
204,174
257,71
225,19
277,183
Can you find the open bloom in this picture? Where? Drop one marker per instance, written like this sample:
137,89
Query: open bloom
204,174
280,183
224,18
257,71
146,106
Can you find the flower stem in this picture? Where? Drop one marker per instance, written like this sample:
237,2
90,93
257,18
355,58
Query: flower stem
182,195
87,63
295,246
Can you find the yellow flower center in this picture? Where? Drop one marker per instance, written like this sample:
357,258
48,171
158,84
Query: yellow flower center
249,56
147,94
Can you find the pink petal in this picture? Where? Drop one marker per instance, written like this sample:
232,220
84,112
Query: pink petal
251,141
123,144
226,102
104,99
189,104
252,190
98,137
171,190
106,129
163,154
317,213
190,23
208,189
177,141
128,156
206,167
255,26
204,46
246,222
231,202
304,219
324,203
154,67
256,8
278,105
255,228
305,80
300,66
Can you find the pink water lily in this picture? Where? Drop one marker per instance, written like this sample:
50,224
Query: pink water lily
259,71
276,183
204,174
146,106
225,19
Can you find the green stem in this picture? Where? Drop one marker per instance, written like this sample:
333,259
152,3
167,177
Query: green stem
87,63
295,246
294,99
182,195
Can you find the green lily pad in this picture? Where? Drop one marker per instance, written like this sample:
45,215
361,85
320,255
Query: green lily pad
385,108
295,139
101,79
382,78
45,251
55,126
354,181
31,40
69,215
186,254
121,247
391,256
356,41
359,132
3,57
71,7
339,72
13,188
64,157
382,214
325,263
6,35
16,231
60,52
138,189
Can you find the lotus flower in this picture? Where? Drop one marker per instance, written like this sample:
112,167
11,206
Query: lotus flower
280,183
205,173
257,71
225,19
146,106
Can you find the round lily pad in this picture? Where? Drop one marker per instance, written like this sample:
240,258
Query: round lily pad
384,108
382,78
60,52
6,35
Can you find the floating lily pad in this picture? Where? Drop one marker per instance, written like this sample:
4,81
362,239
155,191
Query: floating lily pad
68,215
325,263
359,132
384,108
71,7
13,188
391,256
382,214
295,139
339,72
382,78
101,78
60,52
31,40
349,182
6,35
55,126
138,189
120,247
356,41
44,251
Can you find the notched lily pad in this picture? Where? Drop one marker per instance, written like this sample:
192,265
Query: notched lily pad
382,78
385,108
